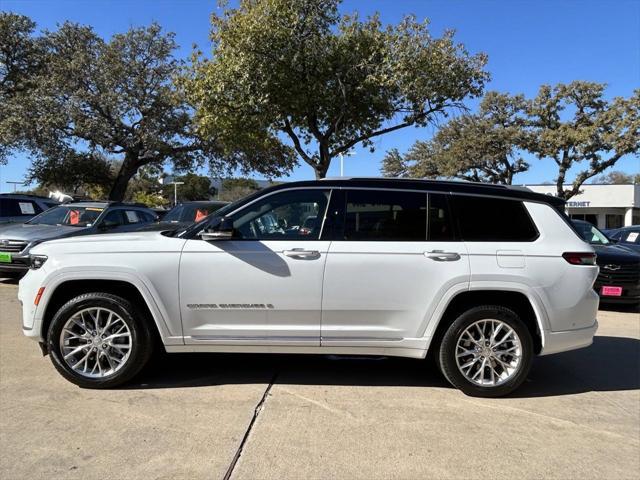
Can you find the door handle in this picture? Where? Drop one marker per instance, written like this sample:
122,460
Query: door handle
442,256
301,253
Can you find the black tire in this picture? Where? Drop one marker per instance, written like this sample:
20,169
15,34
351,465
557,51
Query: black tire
137,322
447,351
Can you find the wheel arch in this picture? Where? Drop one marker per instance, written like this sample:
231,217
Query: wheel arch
65,289
515,300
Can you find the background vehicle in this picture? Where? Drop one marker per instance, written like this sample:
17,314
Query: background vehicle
70,219
619,277
375,267
628,237
184,214
16,208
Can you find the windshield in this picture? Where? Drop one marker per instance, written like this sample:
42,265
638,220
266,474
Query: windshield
219,213
191,212
591,234
71,215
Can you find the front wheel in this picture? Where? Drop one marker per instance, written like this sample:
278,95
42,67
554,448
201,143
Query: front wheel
99,340
486,352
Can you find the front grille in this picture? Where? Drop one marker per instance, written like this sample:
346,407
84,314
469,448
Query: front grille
626,274
13,246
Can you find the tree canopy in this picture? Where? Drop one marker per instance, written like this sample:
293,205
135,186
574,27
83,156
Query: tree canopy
571,124
69,95
575,126
300,79
481,147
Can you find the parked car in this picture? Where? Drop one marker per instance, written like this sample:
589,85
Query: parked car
17,208
628,237
394,267
184,214
619,277
68,220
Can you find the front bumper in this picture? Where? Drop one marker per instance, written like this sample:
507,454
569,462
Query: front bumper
563,341
19,263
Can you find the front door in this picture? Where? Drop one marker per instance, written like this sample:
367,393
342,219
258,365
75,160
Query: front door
264,285
386,271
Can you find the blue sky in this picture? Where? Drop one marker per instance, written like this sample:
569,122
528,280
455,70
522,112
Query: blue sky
528,43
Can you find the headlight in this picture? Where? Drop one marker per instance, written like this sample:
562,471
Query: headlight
36,261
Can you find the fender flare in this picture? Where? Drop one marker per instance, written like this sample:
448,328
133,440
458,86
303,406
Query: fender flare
542,320
144,286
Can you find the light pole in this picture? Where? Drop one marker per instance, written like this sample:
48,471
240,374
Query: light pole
15,184
350,154
175,192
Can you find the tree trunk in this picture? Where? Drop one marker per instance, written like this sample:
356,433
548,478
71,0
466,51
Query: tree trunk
127,170
323,164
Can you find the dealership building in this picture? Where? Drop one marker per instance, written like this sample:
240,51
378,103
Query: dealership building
606,206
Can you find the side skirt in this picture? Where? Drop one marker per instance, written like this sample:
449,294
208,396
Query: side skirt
314,350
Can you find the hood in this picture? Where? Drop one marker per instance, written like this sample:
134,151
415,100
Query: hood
30,233
163,226
130,242
616,254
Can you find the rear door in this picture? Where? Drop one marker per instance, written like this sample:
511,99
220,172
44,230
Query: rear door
393,256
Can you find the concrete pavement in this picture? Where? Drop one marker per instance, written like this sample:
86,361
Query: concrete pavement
259,416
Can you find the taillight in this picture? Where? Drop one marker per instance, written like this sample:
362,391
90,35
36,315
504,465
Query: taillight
580,258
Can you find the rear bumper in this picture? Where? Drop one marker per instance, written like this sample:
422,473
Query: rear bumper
556,342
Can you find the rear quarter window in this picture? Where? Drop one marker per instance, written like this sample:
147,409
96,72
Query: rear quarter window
487,219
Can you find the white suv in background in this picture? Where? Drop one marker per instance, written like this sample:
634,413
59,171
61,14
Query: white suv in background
482,276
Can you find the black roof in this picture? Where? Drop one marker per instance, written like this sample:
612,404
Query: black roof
27,196
445,186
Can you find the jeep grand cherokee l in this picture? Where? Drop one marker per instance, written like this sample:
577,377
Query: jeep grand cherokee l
483,277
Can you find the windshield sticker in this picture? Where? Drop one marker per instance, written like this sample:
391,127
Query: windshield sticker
74,217
26,208
200,214
93,209
632,237
132,216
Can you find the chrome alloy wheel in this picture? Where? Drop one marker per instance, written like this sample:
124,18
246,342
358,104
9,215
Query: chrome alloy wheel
488,352
95,342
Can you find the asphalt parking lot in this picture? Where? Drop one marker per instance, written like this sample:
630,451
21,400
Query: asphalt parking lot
244,417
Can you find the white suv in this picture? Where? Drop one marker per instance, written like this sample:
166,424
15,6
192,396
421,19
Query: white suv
484,277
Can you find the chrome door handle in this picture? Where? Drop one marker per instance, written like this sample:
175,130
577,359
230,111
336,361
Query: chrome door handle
302,253
442,256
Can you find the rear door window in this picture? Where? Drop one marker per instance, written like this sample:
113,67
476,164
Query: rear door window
383,215
488,219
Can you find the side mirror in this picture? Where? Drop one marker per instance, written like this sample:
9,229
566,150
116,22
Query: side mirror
222,231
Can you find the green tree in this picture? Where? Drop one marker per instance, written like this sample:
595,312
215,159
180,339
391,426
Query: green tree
481,147
393,164
300,78
196,187
20,59
118,99
237,188
74,172
575,126
618,178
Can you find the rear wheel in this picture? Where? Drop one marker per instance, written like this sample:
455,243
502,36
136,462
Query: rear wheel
99,340
486,352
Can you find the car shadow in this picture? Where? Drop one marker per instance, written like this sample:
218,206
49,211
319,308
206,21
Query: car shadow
610,364
620,307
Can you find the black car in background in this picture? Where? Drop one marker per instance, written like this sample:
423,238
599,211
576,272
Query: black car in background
628,237
18,208
68,220
184,214
619,277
